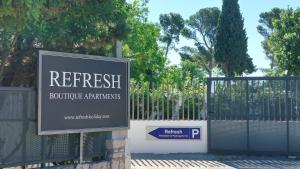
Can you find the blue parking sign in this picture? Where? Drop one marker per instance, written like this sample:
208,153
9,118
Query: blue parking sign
180,133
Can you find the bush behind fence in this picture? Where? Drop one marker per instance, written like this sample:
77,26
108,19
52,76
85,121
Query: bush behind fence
167,101
275,99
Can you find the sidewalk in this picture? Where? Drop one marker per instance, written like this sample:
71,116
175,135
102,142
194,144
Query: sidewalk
209,161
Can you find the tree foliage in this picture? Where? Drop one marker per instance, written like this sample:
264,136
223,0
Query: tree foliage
266,29
148,60
191,71
171,24
86,26
231,41
285,41
202,29
188,73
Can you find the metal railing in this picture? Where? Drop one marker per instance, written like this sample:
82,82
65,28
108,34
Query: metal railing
167,101
261,98
19,143
258,115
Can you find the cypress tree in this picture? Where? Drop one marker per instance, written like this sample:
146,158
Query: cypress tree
231,41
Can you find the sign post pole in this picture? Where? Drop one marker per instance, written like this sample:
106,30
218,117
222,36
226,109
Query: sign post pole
81,148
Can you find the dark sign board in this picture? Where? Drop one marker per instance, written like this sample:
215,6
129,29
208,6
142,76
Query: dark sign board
81,93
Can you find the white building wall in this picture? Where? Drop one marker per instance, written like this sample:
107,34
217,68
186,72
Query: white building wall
140,144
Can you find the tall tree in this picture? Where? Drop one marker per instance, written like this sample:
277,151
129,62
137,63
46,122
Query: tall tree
88,27
202,29
171,24
266,29
285,41
231,45
141,45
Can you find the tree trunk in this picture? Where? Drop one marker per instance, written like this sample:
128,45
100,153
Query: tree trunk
210,73
167,49
210,65
272,62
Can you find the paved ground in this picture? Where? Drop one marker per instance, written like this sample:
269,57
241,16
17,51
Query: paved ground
174,164
208,161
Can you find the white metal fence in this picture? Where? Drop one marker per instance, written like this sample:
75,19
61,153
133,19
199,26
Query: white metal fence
167,101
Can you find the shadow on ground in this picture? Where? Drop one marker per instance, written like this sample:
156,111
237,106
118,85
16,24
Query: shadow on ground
195,161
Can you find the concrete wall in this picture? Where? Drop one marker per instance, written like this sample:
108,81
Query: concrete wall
140,144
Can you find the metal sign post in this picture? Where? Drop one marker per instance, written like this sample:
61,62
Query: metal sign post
81,148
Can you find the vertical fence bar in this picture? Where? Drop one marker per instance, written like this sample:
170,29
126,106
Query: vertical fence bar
252,97
204,99
247,107
188,102
230,100
163,101
153,99
269,101
183,101
234,99
215,101
158,113
193,97
25,97
275,101
223,99
280,95
199,101
218,99
296,98
81,148
148,99
168,95
240,117
208,84
138,102
292,98
257,100
272,112
261,96
143,101
287,115
291,101
132,108
172,97
264,110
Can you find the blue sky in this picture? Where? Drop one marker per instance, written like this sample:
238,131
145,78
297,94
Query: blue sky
250,10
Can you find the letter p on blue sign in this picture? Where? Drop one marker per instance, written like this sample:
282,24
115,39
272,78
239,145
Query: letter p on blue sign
195,133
